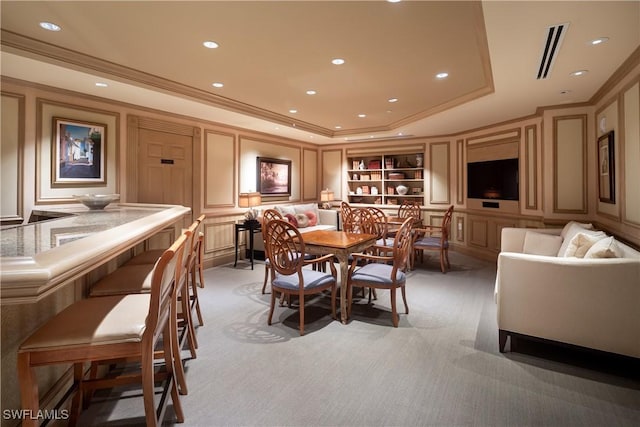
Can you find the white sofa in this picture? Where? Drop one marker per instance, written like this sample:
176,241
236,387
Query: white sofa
327,220
588,302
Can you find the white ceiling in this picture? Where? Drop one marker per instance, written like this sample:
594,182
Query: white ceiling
151,54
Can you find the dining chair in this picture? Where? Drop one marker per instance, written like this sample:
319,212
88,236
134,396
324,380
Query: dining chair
383,271
118,327
286,251
268,215
410,209
434,238
345,208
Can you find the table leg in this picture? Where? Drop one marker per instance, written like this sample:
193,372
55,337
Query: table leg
344,270
251,246
236,260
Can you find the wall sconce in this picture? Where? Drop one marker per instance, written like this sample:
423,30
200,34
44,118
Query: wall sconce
326,196
249,200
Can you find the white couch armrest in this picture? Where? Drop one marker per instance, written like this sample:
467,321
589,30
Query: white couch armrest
328,217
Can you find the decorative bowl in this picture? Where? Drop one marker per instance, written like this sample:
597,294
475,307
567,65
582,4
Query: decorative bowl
402,189
96,201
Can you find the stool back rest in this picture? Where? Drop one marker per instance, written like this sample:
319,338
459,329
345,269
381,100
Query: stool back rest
284,246
163,288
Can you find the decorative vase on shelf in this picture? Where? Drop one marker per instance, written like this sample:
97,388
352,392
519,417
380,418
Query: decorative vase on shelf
402,189
419,160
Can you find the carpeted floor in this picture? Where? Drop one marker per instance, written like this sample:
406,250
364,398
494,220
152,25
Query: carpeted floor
440,367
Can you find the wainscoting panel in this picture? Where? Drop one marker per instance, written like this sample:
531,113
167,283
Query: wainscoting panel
310,173
478,232
12,154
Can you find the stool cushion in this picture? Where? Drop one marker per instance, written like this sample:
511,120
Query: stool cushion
147,257
128,279
94,321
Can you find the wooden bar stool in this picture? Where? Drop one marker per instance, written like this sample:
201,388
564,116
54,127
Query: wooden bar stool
109,328
136,279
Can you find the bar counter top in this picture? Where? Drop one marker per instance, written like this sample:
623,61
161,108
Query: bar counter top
37,257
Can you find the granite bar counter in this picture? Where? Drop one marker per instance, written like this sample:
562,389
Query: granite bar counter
39,257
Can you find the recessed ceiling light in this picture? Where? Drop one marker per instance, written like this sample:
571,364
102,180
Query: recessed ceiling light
579,73
394,1
599,40
399,133
338,127
210,44
442,75
293,111
217,84
50,26
101,84
337,61
393,99
362,116
311,92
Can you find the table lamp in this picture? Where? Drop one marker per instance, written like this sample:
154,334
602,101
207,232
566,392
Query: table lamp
249,200
326,196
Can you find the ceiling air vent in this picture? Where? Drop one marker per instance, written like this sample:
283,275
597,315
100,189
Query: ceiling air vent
554,37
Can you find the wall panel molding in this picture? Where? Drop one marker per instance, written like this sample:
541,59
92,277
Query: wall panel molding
531,167
460,172
220,188
440,177
570,164
12,154
629,142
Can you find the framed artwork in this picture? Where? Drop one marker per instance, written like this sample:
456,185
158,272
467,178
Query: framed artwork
273,176
78,153
606,168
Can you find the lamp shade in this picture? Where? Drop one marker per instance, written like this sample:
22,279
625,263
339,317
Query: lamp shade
326,195
249,200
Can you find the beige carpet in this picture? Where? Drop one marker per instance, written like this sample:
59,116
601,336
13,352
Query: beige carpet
441,367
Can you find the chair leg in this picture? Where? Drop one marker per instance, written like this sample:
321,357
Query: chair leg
28,388
301,311
194,298
77,401
199,261
170,365
266,276
446,257
349,300
188,321
273,305
333,302
175,349
394,312
404,298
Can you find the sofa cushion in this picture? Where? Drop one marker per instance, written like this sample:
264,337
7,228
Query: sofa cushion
541,244
569,231
302,220
582,242
284,210
307,207
605,248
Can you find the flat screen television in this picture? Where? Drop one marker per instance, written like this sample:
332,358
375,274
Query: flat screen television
494,179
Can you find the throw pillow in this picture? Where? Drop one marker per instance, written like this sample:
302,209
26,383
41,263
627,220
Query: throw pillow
568,233
582,242
292,219
541,243
307,207
605,248
302,220
572,225
313,218
284,210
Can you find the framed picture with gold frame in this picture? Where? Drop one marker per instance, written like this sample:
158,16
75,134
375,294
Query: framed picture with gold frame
78,153
606,168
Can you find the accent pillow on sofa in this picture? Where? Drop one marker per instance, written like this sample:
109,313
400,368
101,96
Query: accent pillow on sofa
307,207
605,248
313,218
569,231
292,219
541,244
582,242
302,220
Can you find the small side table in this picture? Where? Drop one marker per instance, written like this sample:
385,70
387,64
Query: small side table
252,227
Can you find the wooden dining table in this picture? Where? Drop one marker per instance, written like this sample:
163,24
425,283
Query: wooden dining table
341,244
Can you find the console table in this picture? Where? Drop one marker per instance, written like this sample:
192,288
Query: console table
252,227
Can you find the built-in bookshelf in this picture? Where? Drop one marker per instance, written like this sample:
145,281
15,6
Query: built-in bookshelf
387,179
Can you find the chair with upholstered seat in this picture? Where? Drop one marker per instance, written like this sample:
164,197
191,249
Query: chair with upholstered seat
136,278
268,215
285,249
119,327
434,238
383,272
345,208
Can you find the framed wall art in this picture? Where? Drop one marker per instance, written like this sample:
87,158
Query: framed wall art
78,153
273,176
606,168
